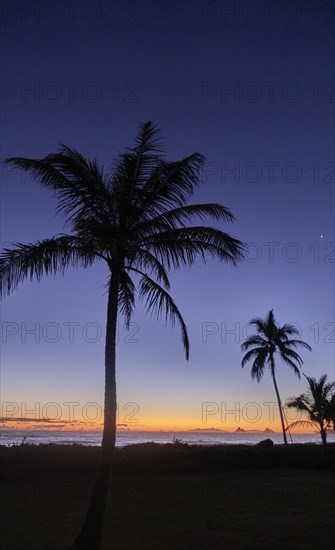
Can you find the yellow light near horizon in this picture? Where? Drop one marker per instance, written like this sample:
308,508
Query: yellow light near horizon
154,426
157,423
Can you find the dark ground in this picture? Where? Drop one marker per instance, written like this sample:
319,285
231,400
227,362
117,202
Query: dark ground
172,497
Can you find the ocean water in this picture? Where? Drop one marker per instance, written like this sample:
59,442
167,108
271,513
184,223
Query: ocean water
129,437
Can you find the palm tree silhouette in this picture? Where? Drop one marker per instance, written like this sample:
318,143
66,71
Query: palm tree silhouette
136,218
315,403
269,340
330,411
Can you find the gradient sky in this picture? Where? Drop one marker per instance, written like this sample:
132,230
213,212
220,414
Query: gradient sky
250,86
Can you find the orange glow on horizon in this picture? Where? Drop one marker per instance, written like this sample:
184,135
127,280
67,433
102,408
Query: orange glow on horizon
154,418
152,425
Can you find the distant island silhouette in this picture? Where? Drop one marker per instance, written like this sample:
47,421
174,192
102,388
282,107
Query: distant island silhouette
238,430
266,431
208,430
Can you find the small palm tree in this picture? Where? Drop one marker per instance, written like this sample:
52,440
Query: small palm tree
330,411
137,220
269,340
316,404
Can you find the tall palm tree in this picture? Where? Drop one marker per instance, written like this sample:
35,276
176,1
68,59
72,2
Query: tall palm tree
269,340
136,218
315,402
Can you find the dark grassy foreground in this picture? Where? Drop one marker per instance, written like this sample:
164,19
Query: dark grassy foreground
172,497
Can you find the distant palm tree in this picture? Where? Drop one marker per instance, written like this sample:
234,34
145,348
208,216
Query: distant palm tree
269,340
136,219
330,411
315,403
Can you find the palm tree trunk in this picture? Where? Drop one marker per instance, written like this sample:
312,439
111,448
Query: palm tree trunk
89,537
323,434
279,401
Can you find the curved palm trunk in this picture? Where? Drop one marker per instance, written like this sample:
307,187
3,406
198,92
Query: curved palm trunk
278,400
89,537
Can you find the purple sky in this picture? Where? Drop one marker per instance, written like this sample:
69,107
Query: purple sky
249,86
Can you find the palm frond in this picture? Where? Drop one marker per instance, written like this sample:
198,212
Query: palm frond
146,153
126,297
303,423
257,369
148,138
33,260
289,356
157,300
249,355
132,170
41,169
143,260
78,183
178,217
287,330
253,340
181,247
296,344
300,403
172,184
260,356
259,324
287,359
